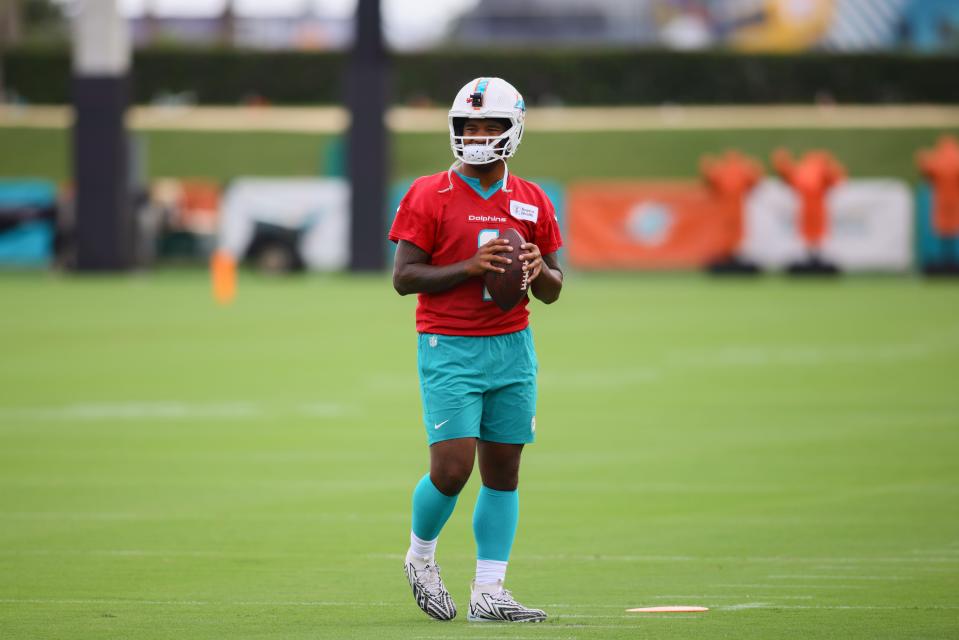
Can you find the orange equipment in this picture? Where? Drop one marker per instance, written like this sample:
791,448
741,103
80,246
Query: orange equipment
223,277
731,177
940,166
811,177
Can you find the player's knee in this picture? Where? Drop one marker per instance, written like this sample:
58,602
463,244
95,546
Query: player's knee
450,476
502,480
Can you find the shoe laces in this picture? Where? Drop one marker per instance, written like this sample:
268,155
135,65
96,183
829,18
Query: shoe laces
504,596
429,578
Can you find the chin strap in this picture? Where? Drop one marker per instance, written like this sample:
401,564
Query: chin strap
449,176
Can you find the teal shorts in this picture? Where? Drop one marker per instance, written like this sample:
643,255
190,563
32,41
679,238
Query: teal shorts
478,387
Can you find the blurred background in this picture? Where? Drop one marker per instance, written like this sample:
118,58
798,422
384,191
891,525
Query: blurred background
683,103
209,409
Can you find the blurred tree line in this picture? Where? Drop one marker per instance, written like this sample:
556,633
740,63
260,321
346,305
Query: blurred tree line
220,75
32,21
29,21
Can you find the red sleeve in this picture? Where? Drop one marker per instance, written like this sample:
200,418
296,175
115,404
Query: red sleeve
415,220
548,238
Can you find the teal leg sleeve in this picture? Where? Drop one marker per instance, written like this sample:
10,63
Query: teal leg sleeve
494,523
431,509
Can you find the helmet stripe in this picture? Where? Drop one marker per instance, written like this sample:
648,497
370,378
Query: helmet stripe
481,85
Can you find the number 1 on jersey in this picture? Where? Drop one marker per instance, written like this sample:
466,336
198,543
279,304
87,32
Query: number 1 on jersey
485,235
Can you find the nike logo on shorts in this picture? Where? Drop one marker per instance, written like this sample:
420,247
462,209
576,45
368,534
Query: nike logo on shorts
437,426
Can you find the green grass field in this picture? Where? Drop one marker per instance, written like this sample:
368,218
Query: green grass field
559,156
781,452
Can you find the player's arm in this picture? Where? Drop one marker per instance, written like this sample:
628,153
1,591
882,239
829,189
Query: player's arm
545,276
413,273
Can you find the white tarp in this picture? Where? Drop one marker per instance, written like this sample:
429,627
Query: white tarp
320,207
870,226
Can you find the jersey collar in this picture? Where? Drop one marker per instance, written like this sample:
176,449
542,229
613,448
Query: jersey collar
457,164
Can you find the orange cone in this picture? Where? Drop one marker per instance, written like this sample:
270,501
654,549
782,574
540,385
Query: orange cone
223,274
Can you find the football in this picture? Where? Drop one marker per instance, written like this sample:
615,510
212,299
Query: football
507,289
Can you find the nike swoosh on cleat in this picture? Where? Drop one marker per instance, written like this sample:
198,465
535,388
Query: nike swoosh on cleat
437,426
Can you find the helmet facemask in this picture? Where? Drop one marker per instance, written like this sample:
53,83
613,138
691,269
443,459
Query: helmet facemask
480,150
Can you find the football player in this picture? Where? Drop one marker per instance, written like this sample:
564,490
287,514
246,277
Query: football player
477,364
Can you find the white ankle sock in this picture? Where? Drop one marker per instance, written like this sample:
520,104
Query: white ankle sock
490,571
422,548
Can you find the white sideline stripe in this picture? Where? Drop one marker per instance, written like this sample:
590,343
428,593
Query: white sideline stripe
149,553
819,577
561,605
855,607
132,410
599,378
320,517
736,597
170,410
765,357
599,616
744,606
559,617
627,626
330,603
790,586
346,486
655,558
496,637
502,637
117,552
756,559
197,603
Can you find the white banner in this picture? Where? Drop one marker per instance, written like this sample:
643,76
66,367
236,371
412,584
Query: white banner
318,207
870,226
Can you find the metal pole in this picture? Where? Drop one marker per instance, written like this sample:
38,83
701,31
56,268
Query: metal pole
101,62
368,147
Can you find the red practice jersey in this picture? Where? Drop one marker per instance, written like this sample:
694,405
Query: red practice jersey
442,215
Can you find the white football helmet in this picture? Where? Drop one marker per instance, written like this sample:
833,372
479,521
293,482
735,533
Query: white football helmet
487,98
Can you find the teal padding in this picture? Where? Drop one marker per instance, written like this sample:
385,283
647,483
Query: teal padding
494,523
477,186
29,244
431,509
930,246
27,192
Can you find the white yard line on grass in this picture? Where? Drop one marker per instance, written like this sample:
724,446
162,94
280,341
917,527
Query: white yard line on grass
530,627
195,603
132,411
735,597
217,517
557,616
789,586
843,561
744,606
751,559
171,410
821,577
854,607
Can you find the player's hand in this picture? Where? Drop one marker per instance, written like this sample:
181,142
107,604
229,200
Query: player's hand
533,260
488,257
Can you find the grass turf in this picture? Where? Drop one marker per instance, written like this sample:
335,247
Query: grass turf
782,452
560,156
